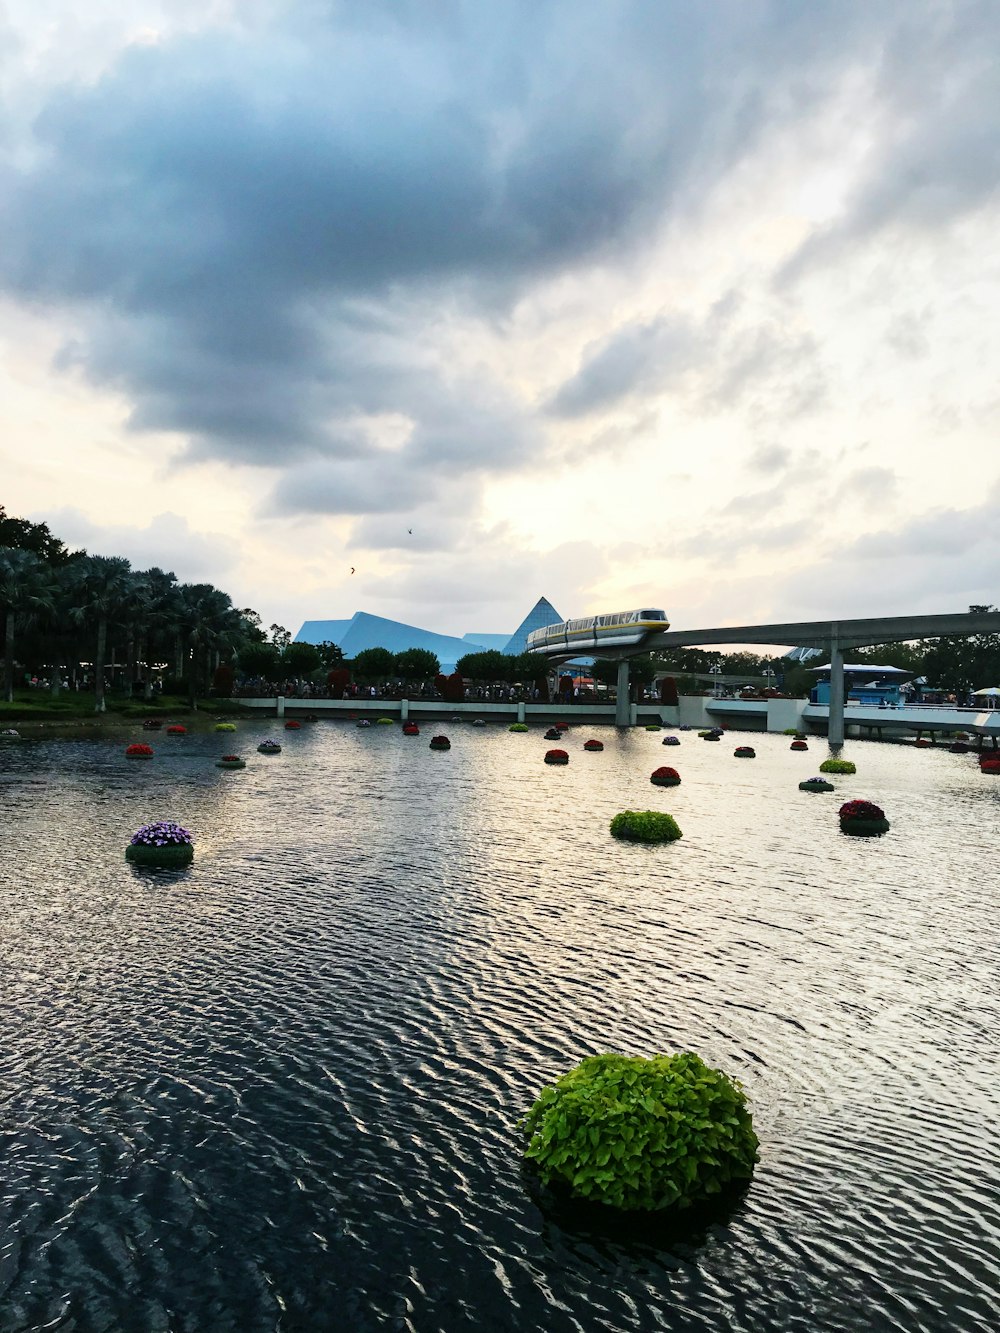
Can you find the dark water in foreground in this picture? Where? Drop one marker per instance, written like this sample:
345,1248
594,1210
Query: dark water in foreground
281,1090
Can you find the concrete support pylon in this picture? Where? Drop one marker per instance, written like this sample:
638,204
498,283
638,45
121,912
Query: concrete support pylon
623,711
835,727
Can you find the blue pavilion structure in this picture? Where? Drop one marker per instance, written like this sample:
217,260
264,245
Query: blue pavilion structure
364,630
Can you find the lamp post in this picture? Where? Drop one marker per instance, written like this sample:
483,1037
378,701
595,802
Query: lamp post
715,670
768,677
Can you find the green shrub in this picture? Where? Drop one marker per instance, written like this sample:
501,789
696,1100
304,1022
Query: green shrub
518,726
645,826
837,766
790,731
384,722
642,1134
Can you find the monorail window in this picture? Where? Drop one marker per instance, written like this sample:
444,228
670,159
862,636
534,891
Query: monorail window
652,615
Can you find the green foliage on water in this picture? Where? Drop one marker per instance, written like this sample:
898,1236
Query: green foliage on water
837,766
518,726
642,1134
645,826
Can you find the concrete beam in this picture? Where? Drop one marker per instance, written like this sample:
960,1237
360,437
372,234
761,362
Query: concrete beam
820,633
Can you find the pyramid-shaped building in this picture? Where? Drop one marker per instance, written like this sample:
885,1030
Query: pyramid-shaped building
541,614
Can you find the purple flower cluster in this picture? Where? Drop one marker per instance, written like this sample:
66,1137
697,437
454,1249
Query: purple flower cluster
269,745
163,833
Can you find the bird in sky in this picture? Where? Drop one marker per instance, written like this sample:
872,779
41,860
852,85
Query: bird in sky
410,531
352,569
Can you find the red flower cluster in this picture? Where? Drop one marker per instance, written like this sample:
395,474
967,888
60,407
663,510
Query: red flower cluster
292,726
411,729
556,757
665,773
861,810
176,731
593,745
139,752
230,759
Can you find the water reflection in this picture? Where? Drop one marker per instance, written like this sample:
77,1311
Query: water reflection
282,1088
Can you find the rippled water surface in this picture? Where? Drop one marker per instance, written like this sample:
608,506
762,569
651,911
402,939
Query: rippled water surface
281,1090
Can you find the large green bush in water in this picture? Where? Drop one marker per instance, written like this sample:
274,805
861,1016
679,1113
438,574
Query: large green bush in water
642,1134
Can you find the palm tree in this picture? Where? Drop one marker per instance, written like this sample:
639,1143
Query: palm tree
211,623
101,583
26,589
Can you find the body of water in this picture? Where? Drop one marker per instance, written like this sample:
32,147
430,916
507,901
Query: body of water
281,1090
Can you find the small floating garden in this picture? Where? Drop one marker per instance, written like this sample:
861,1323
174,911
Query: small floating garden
139,751
162,843
837,766
862,819
230,761
269,747
556,757
665,777
641,1134
645,826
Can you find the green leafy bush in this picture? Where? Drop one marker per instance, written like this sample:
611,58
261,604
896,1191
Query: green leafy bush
642,1134
518,726
837,766
645,826
384,722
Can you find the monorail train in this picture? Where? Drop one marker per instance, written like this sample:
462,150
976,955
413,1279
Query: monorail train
619,629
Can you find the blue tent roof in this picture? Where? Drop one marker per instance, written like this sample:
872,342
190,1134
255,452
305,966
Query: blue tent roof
542,613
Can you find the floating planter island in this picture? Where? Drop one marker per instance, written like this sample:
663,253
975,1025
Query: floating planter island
837,766
139,751
556,757
225,726
642,1135
815,784
230,761
862,819
518,726
162,843
440,743
645,826
745,752
269,747
665,777
593,745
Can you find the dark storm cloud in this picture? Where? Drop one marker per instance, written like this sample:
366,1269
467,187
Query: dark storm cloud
257,230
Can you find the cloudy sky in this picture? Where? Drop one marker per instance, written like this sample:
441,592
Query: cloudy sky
653,302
